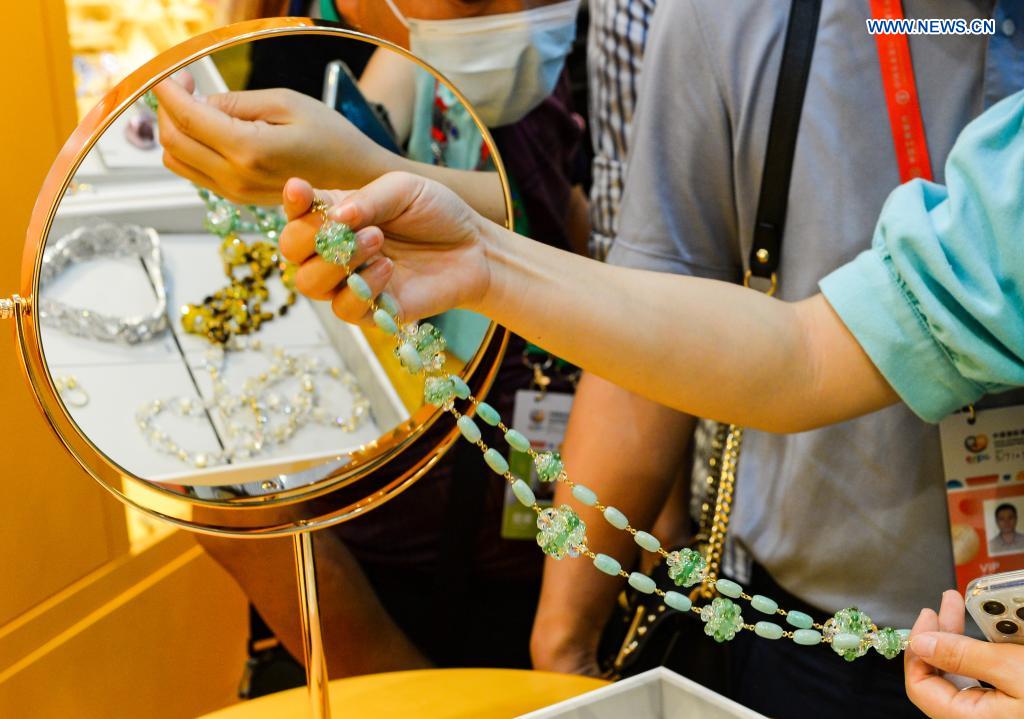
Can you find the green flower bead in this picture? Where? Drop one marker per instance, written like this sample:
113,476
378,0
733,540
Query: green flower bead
439,391
722,619
549,466
561,532
335,242
887,642
429,344
686,567
851,622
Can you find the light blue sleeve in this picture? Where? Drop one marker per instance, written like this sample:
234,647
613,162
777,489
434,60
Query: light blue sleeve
938,300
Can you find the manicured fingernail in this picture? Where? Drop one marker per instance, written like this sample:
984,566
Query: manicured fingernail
369,239
291,193
923,645
346,212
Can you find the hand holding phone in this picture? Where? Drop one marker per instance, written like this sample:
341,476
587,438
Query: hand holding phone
938,649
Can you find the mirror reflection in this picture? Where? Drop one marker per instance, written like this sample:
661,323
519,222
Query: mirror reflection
173,329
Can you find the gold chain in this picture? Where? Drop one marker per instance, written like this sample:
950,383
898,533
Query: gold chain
729,461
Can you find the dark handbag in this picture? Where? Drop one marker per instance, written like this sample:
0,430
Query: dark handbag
642,634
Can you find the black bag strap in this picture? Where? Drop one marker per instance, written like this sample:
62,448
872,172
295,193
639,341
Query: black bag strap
794,70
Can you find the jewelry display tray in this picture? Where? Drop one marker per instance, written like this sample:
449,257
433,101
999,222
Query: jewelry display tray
655,694
120,379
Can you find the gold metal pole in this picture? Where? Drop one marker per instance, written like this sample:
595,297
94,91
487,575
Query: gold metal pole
312,635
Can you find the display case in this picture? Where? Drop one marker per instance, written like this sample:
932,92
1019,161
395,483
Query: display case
655,694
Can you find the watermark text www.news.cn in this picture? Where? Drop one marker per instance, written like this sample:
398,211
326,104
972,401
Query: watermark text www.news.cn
931,26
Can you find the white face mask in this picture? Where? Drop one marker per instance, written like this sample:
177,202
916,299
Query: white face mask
506,64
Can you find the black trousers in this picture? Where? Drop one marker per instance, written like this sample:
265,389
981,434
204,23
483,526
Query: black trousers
783,680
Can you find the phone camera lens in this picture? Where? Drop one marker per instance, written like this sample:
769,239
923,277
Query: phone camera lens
993,608
1006,627
1020,613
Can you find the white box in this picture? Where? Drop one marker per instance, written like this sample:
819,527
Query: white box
655,694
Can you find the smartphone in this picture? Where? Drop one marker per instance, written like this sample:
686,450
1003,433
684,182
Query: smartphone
996,602
341,91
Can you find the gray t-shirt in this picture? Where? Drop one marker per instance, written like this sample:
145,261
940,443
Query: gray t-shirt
853,514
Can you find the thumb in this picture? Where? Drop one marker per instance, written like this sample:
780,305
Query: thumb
297,198
1001,665
268,105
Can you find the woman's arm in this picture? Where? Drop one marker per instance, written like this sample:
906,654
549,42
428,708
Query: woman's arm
245,145
704,347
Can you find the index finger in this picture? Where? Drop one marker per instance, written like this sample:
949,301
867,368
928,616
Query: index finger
198,119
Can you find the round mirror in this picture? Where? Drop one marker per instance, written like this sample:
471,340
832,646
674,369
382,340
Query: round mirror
162,331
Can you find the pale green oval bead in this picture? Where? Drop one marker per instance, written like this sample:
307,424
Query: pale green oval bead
585,495
807,637
388,303
461,388
904,634
615,518
359,287
608,565
728,588
523,493
384,321
800,620
641,583
410,357
488,414
495,461
647,541
763,604
845,641
469,429
517,441
679,602
768,630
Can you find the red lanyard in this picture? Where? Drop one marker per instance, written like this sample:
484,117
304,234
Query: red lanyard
901,96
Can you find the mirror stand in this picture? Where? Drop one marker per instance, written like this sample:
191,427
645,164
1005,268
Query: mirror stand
312,634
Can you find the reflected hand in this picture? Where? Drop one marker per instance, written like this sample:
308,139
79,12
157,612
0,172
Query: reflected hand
245,145
937,645
416,237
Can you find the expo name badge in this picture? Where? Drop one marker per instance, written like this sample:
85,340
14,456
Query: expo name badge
542,417
984,466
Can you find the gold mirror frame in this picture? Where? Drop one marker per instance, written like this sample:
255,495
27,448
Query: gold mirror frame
379,472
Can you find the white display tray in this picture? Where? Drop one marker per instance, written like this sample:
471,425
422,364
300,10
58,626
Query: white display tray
655,694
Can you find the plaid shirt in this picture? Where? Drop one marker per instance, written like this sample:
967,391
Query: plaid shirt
615,52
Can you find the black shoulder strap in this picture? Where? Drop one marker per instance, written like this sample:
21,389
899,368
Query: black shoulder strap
778,159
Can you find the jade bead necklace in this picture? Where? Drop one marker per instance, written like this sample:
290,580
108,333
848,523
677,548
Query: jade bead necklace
561,532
